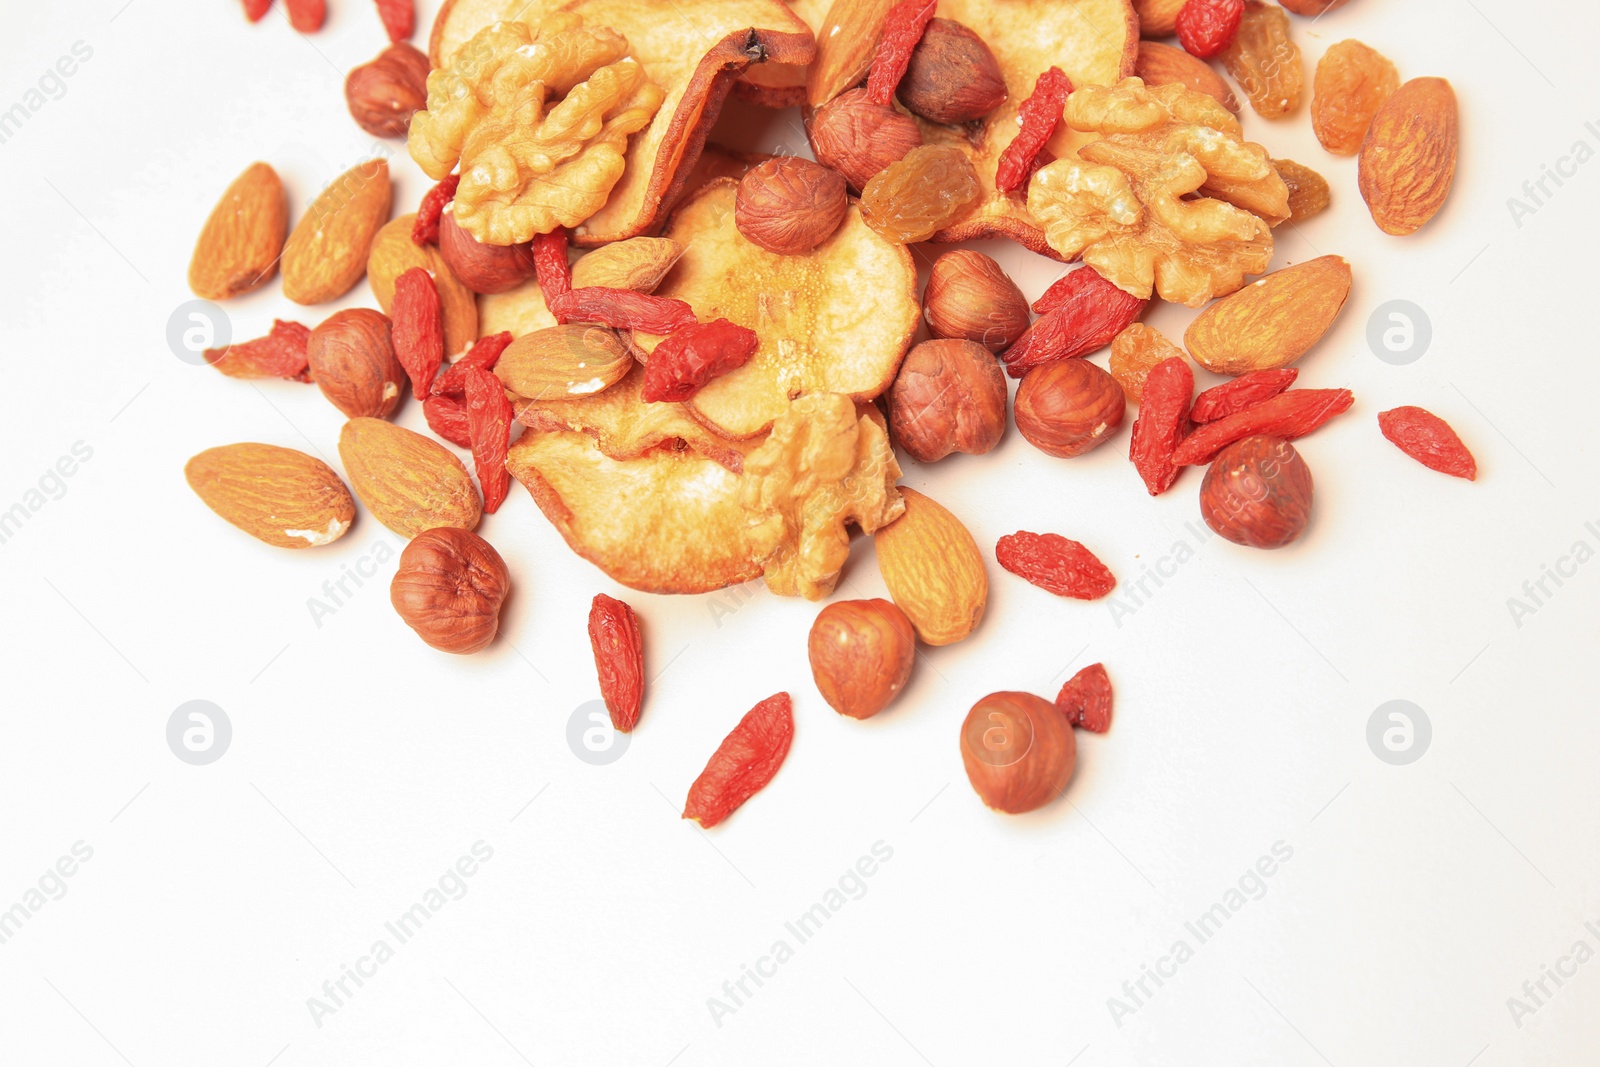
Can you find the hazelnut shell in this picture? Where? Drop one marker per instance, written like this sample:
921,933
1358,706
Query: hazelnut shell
969,296
858,138
1068,407
1257,493
1018,750
483,268
449,588
790,205
949,396
861,654
953,77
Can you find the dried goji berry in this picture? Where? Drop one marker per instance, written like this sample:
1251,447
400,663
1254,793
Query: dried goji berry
1084,312
399,18
1429,440
483,355
418,329
1287,415
280,354
1245,391
550,264
447,417
1056,564
619,659
1086,699
744,762
307,15
902,29
489,416
622,309
1163,418
1038,115
1206,27
425,231
256,10
692,356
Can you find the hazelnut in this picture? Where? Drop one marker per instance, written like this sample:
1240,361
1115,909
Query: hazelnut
858,138
970,297
480,267
790,205
1257,492
861,654
383,94
351,357
950,396
449,588
1068,407
953,77
1018,750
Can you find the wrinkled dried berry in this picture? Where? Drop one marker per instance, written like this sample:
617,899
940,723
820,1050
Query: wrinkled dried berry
914,199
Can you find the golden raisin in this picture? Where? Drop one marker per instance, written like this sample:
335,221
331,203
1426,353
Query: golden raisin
1308,190
1352,82
1135,352
1265,62
920,195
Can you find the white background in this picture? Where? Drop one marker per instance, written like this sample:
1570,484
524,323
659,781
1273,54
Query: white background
363,764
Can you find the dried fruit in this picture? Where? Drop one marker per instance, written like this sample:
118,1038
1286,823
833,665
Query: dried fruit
859,138
352,360
394,252
1037,117
1288,415
692,356
563,361
933,570
277,495
1257,493
1273,322
489,417
1308,190
256,10
637,263
238,246
1162,64
1408,159
1265,62
1085,699
914,199
550,263
1248,390
1313,7
622,309
1055,564
1163,419
1079,314
1018,751
306,16
418,329
384,93
280,354
847,40
969,296
327,252
1067,408
1429,440
1135,352
449,588
948,397
447,417
790,205
409,483
902,29
399,18
861,654
745,762
1206,27
1352,82
618,659
425,230
483,268
953,76
1157,18
483,356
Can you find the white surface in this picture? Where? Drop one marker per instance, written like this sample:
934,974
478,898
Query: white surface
219,898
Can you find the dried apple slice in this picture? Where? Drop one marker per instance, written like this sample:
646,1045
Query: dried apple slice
459,20
837,319
517,311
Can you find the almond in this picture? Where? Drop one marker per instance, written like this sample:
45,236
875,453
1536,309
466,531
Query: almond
394,252
1408,159
277,495
933,570
1157,18
1162,64
327,252
637,263
352,360
1272,322
563,361
239,245
409,483
846,42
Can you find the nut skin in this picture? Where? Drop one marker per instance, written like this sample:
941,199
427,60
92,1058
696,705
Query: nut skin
858,138
790,205
1257,493
1313,7
861,655
449,588
950,396
352,360
953,77
1018,750
1068,407
383,94
970,297
480,267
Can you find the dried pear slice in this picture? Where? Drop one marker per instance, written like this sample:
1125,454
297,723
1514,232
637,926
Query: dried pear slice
517,311
778,85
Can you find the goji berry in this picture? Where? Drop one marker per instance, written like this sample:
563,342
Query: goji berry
399,18
280,354
1245,391
1084,313
1429,440
1163,418
425,230
744,762
418,329
692,356
489,416
622,309
447,417
618,658
307,15
902,29
256,10
482,355
1287,415
1038,115
1086,699
1206,27
550,264
1055,564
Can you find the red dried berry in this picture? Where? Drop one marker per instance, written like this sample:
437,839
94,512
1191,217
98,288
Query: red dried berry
447,417
418,329
1206,27
280,354
1245,391
692,356
1163,419
1287,415
489,416
902,29
425,231
1082,312
307,16
1038,116
1086,699
1429,440
1055,564
618,658
622,309
399,18
483,355
744,762
550,264
256,10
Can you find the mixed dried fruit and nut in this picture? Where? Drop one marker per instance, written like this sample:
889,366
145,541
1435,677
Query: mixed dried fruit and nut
711,354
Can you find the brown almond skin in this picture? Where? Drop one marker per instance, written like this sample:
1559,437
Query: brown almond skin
1257,493
239,245
861,654
949,396
327,252
277,495
449,587
858,138
790,205
394,252
1271,322
969,296
483,268
1408,159
933,569
383,94
1162,64
637,263
847,40
560,361
353,362
953,77
1018,750
1068,407
409,482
